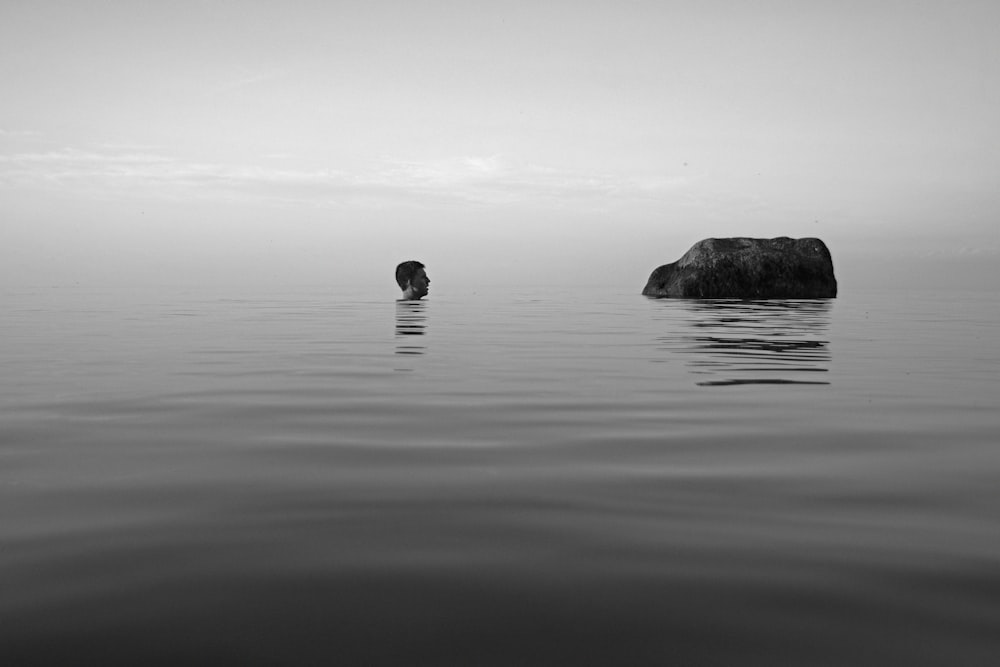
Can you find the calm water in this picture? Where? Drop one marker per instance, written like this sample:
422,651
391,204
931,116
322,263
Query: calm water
532,478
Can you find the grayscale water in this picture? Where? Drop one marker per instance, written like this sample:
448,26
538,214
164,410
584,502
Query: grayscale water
537,478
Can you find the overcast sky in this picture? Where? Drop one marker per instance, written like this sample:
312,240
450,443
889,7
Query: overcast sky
322,142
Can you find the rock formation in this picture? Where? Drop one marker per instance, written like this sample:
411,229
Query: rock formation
745,268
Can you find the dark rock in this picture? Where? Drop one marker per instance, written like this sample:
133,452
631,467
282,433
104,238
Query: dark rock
744,268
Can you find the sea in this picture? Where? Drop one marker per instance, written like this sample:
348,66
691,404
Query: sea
317,476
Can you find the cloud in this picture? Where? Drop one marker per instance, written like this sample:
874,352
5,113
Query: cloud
105,172
986,251
82,172
248,78
18,134
495,180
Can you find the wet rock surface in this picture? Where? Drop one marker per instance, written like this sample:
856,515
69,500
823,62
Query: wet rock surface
748,268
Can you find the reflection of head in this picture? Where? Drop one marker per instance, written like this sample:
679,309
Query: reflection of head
412,279
411,321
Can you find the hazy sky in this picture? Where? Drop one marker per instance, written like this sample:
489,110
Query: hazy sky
322,142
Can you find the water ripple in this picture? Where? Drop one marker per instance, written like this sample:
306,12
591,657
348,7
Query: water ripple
740,343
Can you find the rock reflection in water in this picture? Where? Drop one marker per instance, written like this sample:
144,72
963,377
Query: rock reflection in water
411,321
753,342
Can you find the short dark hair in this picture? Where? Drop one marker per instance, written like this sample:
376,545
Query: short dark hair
405,272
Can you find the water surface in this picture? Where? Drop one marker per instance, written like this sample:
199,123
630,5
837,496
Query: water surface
543,477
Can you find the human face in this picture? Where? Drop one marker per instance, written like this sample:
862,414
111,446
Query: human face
419,284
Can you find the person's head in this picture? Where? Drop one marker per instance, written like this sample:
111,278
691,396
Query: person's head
412,279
